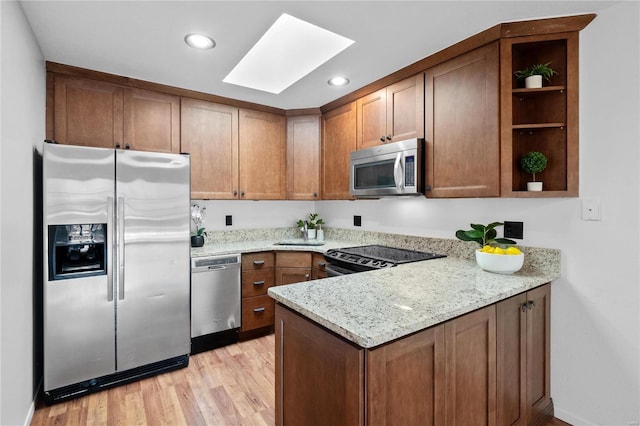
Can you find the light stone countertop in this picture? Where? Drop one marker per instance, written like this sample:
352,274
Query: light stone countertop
375,307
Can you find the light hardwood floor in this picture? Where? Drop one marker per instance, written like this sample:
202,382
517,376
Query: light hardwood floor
233,385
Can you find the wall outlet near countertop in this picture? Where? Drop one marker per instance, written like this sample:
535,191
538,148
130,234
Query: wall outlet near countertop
357,220
513,230
591,209
228,220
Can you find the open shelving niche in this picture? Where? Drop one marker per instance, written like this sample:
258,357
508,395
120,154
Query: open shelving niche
540,117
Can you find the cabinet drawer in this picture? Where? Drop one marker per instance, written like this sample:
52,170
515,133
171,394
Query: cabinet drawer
257,312
319,262
316,274
255,282
292,259
260,260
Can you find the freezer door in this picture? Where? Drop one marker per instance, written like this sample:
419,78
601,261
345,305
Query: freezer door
79,337
153,209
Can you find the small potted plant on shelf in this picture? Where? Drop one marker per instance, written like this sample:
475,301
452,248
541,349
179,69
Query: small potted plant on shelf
534,75
198,231
497,255
533,162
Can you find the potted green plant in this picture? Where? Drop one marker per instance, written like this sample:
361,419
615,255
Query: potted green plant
198,230
493,256
484,235
533,162
313,224
534,75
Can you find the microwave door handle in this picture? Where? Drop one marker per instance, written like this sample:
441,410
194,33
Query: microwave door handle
398,174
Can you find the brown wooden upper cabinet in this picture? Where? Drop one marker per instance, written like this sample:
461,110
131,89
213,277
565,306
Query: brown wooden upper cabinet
210,135
262,148
462,155
338,140
99,114
303,157
391,114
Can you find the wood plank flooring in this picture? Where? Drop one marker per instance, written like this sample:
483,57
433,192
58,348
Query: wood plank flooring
233,385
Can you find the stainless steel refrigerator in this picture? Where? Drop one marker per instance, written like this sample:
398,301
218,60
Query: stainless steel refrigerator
116,266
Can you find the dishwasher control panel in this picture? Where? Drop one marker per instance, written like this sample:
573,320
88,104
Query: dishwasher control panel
205,262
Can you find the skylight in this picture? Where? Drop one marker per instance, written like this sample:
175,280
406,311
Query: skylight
288,51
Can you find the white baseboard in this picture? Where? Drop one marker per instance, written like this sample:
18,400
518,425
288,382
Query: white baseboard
570,418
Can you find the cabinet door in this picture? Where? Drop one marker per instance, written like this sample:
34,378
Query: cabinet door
262,156
407,373
538,352
319,376
372,119
87,112
303,157
462,155
405,109
210,135
470,389
151,121
292,275
338,140
511,325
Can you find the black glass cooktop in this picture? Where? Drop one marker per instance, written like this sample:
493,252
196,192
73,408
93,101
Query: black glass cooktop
376,256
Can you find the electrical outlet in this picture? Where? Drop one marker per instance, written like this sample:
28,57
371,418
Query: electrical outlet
357,220
514,230
228,220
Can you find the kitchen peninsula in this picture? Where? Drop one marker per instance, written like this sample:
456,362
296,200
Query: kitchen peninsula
433,342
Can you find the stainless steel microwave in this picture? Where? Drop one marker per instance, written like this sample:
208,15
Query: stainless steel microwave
388,170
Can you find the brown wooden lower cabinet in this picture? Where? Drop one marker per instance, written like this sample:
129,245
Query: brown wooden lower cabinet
523,333
319,376
488,367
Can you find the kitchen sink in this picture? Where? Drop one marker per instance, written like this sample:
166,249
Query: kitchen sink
300,242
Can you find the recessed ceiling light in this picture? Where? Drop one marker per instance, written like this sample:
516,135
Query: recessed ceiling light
288,51
199,41
338,81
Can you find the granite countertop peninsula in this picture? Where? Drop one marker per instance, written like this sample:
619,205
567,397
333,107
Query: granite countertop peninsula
375,307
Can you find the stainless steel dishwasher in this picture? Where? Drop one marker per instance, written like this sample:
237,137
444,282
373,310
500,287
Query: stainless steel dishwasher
215,301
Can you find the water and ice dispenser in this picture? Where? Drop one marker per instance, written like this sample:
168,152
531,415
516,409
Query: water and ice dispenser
77,250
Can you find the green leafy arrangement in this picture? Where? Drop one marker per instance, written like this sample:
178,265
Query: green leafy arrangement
538,69
313,222
533,162
483,235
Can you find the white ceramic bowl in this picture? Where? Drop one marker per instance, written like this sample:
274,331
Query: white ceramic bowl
500,263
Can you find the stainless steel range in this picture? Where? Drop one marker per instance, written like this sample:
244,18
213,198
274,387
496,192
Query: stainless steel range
350,260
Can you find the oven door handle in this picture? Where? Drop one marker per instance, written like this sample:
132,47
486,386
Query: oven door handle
336,271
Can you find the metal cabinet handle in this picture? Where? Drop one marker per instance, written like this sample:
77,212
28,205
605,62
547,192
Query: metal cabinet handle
258,262
315,194
235,192
322,264
117,145
388,137
523,307
256,283
531,304
242,193
381,138
127,146
306,276
258,310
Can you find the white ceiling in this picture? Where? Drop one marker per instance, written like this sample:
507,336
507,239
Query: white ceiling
144,39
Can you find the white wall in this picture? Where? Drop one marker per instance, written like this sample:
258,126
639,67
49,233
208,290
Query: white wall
254,214
22,90
595,356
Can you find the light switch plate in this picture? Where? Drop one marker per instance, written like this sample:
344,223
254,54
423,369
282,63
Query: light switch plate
591,209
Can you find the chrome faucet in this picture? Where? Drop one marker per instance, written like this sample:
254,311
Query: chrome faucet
305,232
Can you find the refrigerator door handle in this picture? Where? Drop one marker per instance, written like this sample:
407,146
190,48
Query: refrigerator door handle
110,250
121,248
